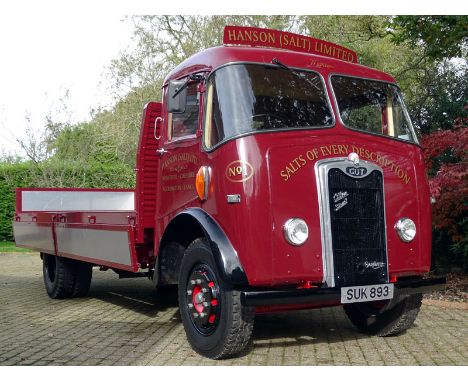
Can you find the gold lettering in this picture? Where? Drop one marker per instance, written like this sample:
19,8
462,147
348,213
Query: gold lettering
289,171
406,178
263,37
293,41
285,40
399,172
232,34
343,149
232,171
255,36
338,51
312,154
284,175
271,38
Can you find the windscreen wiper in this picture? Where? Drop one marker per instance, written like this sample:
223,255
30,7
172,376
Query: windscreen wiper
293,71
192,78
279,63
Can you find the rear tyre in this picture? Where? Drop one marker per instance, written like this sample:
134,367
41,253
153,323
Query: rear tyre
59,276
83,276
216,323
375,319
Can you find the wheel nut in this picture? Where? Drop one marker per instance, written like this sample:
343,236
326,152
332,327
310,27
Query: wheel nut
189,292
202,315
190,306
205,304
196,315
204,290
192,282
199,281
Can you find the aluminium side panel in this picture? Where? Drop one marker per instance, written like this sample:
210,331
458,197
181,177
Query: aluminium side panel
110,246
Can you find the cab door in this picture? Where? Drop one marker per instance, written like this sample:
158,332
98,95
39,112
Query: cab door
180,155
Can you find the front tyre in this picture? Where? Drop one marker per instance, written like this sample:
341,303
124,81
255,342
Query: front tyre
216,323
375,319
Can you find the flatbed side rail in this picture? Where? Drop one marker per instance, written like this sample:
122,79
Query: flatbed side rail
92,225
73,199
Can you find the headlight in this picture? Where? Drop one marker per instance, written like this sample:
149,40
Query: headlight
406,229
296,231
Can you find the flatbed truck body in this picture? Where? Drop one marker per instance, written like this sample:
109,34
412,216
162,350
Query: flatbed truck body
276,173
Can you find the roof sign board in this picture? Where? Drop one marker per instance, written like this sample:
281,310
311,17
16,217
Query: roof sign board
261,37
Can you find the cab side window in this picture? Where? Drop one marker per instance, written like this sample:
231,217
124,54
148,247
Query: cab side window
186,123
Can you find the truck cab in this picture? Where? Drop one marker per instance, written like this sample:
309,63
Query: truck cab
278,173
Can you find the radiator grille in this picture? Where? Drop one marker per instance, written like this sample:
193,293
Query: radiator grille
358,228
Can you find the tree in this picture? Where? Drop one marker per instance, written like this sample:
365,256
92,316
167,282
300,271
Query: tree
441,37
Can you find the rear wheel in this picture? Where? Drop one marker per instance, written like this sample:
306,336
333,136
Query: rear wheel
216,323
382,319
83,275
59,276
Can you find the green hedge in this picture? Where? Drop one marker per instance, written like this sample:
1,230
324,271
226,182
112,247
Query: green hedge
55,174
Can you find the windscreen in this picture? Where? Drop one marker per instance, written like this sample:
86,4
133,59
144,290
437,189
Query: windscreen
372,106
244,98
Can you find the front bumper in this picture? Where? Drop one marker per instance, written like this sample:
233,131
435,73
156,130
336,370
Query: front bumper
404,287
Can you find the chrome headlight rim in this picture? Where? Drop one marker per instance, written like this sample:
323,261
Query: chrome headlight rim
288,231
401,227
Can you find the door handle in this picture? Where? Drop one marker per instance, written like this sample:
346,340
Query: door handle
155,132
161,151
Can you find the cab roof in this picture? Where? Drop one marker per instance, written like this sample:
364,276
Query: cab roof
212,58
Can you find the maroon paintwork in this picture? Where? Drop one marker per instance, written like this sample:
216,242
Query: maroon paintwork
255,226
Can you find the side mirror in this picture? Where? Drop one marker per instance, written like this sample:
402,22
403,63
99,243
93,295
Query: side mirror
177,104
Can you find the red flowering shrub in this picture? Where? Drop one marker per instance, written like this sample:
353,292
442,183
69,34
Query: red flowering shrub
446,156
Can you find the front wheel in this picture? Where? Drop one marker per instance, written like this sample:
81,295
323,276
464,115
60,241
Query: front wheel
216,323
384,319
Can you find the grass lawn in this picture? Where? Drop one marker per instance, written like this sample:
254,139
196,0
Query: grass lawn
8,246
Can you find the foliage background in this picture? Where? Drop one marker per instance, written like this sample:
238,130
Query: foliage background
426,54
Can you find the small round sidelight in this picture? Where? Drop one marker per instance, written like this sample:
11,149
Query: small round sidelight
296,231
406,229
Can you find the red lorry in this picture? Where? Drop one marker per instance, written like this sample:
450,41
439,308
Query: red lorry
276,174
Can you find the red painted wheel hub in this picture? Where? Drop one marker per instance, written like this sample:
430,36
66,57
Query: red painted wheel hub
203,299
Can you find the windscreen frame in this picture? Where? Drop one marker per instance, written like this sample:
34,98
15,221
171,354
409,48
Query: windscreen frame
266,131
405,110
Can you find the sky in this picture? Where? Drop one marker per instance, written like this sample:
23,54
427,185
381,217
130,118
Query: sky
49,47
43,57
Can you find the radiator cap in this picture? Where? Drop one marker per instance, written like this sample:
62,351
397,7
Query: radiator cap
354,158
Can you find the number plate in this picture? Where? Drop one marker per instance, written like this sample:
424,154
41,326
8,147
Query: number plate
366,293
